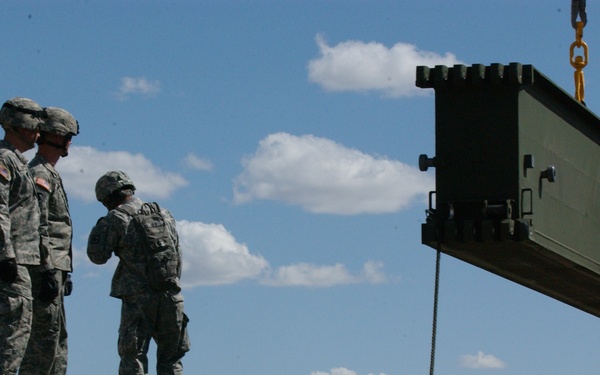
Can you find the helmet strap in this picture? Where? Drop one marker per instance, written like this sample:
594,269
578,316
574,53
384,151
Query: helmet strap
42,140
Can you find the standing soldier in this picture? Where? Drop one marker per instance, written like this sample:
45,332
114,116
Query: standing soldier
47,348
21,248
146,279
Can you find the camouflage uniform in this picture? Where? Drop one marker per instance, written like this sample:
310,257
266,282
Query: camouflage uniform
19,222
145,313
47,349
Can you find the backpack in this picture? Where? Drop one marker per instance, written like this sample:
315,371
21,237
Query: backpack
159,236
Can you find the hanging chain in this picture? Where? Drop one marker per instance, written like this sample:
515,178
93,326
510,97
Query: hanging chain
578,62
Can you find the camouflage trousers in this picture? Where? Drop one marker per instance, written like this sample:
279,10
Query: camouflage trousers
47,348
15,328
158,316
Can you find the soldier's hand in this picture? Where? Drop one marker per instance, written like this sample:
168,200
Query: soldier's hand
8,270
68,285
49,287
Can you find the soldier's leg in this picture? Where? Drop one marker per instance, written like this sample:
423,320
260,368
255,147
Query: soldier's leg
15,328
45,329
60,362
134,338
171,335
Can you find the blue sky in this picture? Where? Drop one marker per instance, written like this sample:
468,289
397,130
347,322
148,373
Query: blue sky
284,137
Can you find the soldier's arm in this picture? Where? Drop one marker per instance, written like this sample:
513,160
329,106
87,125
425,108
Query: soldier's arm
97,250
6,249
175,237
43,188
103,239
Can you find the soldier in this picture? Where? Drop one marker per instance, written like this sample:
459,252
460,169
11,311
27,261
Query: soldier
148,311
21,236
47,348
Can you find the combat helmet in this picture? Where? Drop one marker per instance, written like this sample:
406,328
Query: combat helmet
21,113
111,182
59,121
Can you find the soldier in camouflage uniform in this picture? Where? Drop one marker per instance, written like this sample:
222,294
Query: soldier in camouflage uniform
47,348
21,236
145,313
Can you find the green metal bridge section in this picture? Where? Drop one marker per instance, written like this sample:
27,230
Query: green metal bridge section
517,167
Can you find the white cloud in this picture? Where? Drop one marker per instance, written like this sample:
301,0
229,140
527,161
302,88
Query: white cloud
200,164
338,371
138,86
481,361
335,371
85,165
309,275
359,66
373,274
212,256
325,177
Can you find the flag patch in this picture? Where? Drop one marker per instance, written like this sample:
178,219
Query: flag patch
43,183
4,172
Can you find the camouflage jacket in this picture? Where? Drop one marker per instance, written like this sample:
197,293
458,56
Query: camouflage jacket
20,230
19,210
116,233
54,211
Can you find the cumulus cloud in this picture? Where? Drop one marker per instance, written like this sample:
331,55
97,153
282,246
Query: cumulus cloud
86,164
481,361
359,66
309,275
137,86
212,256
194,162
325,177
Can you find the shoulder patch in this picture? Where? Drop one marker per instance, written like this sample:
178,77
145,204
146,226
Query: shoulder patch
5,173
43,183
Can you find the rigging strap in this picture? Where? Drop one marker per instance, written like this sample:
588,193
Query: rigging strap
578,9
